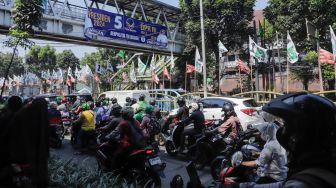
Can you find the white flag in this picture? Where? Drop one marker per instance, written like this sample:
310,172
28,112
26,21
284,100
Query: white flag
292,55
172,62
69,72
198,61
333,42
132,74
77,73
88,71
257,51
141,67
221,49
152,64
99,68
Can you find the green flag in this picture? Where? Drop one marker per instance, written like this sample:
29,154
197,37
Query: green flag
257,51
292,55
132,74
261,30
141,67
121,54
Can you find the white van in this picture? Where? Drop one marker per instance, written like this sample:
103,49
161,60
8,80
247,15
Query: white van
121,95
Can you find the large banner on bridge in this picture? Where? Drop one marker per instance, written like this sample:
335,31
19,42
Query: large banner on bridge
116,26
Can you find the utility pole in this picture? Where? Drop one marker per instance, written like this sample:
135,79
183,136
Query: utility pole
203,51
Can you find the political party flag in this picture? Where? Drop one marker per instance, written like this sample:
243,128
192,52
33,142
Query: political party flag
166,73
77,73
109,67
152,64
141,67
198,61
333,42
243,67
60,76
190,68
121,54
292,55
99,68
326,57
132,74
257,51
155,78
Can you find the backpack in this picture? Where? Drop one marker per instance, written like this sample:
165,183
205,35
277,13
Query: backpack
316,177
153,126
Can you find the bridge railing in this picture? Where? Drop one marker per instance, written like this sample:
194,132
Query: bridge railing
331,95
261,97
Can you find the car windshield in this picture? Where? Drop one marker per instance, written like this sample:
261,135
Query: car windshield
250,103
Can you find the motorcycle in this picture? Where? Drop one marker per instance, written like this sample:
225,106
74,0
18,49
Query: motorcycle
237,172
56,135
173,141
249,137
142,166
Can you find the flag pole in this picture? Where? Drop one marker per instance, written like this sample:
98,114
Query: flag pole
287,70
240,80
205,88
251,75
279,63
319,65
185,79
219,76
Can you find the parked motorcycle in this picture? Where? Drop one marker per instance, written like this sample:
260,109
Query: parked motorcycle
249,137
142,166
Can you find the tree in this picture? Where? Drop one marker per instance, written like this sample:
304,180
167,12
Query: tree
41,58
67,59
223,20
303,70
16,68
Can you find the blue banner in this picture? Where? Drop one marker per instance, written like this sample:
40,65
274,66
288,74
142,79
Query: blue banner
107,24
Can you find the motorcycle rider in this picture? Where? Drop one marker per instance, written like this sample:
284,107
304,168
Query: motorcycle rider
145,121
131,136
54,115
272,160
231,125
157,110
197,118
112,129
182,114
128,101
86,121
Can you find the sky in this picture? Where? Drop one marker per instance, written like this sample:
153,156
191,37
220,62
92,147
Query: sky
80,50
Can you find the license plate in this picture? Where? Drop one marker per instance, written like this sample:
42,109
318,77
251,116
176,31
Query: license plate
155,161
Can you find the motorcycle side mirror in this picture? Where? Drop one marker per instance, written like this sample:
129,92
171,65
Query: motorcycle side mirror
237,159
249,126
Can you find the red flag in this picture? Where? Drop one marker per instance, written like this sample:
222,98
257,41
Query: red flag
155,78
326,57
97,78
190,68
68,81
243,67
166,73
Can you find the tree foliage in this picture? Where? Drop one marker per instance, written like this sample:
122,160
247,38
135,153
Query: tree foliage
67,59
227,21
41,58
17,67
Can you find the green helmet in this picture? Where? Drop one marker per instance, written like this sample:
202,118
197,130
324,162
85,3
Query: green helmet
85,106
105,102
149,109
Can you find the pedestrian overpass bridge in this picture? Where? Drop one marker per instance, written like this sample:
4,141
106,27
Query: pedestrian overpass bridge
63,21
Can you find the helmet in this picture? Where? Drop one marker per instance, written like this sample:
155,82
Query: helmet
181,101
114,100
98,103
177,182
85,106
105,102
53,105
134,101
228,109
149,109
128,99
64,100
142,97
194,106
152,102
115,110
127,112
91,104
59,99
308,120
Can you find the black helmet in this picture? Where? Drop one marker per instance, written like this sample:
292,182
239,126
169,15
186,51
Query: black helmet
228,109
152,102
181,101
116,110
309,120
133,101
127,112
128,99
98,103
114,100
142,97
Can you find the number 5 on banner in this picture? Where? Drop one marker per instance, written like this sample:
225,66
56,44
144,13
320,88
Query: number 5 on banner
118,22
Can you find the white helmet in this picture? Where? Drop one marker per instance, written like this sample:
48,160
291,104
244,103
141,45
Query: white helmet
194,106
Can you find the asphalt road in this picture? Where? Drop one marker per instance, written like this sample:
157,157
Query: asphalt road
174,165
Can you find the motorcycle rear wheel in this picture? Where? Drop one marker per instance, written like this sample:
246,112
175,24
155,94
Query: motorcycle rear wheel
216,168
